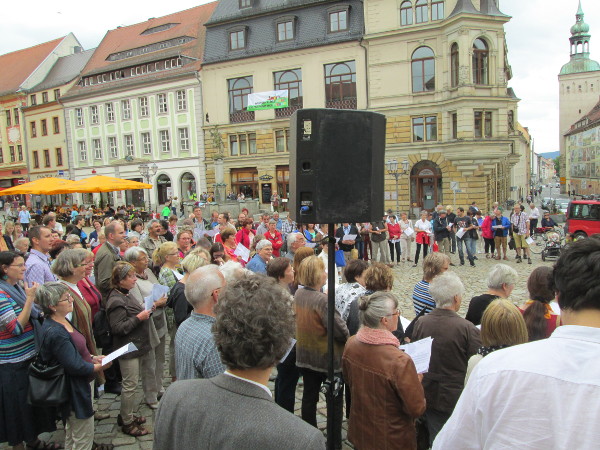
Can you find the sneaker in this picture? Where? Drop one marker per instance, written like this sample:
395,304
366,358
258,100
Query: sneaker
472,264
414,265
519,259
528,260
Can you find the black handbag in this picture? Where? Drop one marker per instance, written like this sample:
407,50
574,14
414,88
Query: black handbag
101,327
48,384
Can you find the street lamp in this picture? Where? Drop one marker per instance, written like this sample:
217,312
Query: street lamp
392,169
147,172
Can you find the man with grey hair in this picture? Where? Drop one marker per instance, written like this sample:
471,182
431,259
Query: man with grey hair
154,239
235,409
455,340
501,281
196,355
294,242
264,252
264,225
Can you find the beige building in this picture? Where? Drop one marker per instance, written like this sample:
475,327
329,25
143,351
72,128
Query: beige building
579,89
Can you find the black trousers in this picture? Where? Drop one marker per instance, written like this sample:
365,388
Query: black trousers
396,246
286,381
532,226
425,250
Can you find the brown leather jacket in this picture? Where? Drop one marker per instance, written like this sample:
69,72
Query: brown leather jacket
386,395
122,311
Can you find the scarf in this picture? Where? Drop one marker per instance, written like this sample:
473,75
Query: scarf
376,336
82,318
17,293
484,351
549,310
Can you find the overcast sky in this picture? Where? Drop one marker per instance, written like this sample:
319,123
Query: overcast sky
538,42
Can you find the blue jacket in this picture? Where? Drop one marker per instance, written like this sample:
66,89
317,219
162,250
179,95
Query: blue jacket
504,222
257,265
58,347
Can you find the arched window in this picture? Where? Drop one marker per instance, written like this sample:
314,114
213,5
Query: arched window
423,70
340,85
454,65
406,15
480,62
421,13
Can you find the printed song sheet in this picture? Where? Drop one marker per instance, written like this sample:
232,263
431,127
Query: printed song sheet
420,352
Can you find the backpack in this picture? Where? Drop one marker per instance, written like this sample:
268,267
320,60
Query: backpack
102,332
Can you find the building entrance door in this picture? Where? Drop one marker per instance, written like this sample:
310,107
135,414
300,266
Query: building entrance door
426,185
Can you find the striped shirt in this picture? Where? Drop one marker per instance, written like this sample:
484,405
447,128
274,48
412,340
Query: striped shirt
16,341
422,299
37,268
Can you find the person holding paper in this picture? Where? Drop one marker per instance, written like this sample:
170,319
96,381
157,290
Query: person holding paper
424,230
129,322
394,239
387,395
62,343
407,236
455,340
464,226
264,252
346,245
520,228
229,243
246,234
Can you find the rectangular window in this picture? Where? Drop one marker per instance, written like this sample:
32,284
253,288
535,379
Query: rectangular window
79,116
143,103
181,101
97,148
237,40
285,31
56,94
36,160
291,81
338,21
165,142
162,104
46,158
126,109
184,140
147,143
94,115
282,140
33,129
8,118
1,156
16,115
110,112
33,99
421,12
44,127
11,148
340,85
242,144
128,145
483,124
59,157
44,97
55,125
424,128
437,9
454,125
245,4
20,152
239,88
112,147
82,151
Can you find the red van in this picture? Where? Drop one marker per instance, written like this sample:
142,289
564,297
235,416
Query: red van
583,218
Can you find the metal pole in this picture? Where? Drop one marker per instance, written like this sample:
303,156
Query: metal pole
397,200
331,387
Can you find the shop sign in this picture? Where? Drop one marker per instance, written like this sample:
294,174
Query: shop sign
265,178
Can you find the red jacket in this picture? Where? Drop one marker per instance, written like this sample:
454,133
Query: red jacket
276,241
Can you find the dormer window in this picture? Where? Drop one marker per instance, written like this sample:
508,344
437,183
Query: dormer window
237,38
245,3
285,28
338,21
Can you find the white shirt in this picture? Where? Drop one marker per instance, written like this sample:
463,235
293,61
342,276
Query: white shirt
424,225
541,395
262,386
534,213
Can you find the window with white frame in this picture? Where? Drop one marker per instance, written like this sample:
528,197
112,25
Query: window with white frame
110,112
82,151
143,103
165,142
184,139
181,101
94,114
147,143
97,144
79,116
281,140
162,104
126,109
128,144
112,147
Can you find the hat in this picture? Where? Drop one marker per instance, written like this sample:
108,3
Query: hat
389,211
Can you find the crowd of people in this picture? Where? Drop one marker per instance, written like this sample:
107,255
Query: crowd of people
73,300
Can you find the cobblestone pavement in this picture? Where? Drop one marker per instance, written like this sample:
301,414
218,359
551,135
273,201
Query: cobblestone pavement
474,279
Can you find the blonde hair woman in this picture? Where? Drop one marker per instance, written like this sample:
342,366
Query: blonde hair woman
167,258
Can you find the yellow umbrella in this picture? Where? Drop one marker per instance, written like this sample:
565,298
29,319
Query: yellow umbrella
44,186
101,183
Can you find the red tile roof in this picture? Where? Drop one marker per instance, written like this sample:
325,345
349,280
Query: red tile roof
17,66
593,117
191,23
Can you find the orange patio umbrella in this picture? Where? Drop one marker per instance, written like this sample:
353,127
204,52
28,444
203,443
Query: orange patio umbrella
43,186
101,183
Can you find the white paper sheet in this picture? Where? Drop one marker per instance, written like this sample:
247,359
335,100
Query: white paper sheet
405,322
460,233
529,240
158,290
497,227
242,252
120,352
450,224
311,244
409,232
211,233
420,352
349,237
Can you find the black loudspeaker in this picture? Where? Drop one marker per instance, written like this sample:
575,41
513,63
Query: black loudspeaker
336,166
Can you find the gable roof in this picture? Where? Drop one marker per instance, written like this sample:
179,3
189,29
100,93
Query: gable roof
66,69
18,66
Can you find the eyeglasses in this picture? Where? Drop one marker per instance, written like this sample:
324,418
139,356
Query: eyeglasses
395,313
68,299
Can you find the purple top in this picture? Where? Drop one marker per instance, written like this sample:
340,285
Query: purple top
81,346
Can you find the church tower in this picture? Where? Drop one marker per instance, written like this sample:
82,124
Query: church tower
579,84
